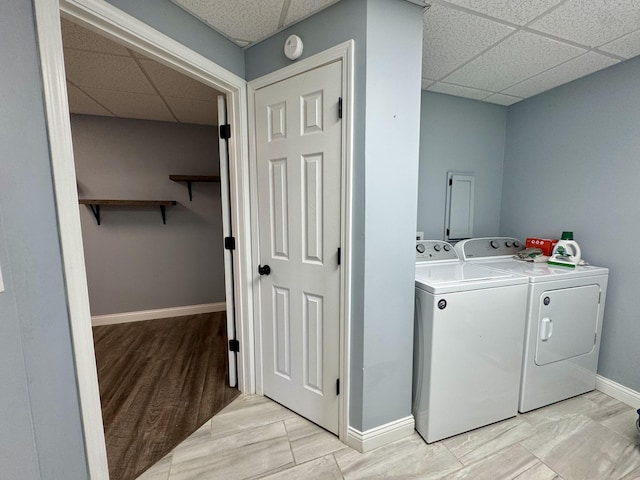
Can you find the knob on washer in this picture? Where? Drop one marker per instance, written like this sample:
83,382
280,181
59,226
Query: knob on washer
420,248
437,247
494,244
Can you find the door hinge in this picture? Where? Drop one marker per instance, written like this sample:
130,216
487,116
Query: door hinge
225,132
339,107
234,346
229,243
450,181
447,232
338,386
339,256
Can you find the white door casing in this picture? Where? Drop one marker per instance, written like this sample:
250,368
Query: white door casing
299,150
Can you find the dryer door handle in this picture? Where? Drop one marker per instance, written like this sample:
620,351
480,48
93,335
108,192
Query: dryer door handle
546,329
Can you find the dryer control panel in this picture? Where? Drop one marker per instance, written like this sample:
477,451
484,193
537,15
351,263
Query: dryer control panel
434,250
488,247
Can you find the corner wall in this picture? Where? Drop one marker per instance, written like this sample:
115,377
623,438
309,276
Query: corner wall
571,163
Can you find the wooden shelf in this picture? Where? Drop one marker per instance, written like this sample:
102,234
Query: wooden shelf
193,178
95,205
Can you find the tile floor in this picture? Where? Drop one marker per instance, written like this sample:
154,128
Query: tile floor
588,437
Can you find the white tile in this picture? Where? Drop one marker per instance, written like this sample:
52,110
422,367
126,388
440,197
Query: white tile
458,91
75,36
519,12
99,70
80,102
247,20
500,99
426,83
308,441
188,110
452,37
299,9
158,471
627,46
515,59
175,84
324,468
132,105
575,68
592,23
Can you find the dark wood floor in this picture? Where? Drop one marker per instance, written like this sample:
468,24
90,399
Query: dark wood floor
159,381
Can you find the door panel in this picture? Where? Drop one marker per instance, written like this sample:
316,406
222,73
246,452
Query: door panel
567,323
299,149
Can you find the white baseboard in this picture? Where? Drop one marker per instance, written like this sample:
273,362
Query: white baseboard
618,391
379,436
142,315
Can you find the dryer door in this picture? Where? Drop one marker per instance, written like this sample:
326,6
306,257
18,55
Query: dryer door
567,323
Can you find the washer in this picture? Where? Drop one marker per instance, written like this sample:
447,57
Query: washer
469,330
565,308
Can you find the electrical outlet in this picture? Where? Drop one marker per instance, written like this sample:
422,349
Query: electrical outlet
419,236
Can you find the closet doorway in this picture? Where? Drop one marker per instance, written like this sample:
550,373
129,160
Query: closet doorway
148,166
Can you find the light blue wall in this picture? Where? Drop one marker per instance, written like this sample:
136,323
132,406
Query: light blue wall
40,424
176,23
463,135
387,99
572,163
391,189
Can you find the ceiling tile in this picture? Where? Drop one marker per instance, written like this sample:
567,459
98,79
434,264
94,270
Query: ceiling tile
248,20
426,83
458,91
452,37
591,23
194,111
175,84
517,58
300,9
501,99
578,67
519,12
98,70
132,105
75,36
81,103
627,46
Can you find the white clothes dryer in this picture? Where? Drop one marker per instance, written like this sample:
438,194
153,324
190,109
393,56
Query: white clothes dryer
565,309
468,343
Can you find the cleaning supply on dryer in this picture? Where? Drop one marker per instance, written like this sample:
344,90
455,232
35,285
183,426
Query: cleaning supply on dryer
566,253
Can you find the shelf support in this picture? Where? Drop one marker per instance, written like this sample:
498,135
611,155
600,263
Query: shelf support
163,213
189,187
96,212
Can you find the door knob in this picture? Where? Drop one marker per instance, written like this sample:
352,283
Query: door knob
264,270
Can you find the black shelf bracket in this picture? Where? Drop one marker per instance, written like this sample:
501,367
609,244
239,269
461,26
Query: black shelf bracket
96,212
164,214
189,187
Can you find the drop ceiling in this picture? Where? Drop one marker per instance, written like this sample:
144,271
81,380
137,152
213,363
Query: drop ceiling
105,78
497,51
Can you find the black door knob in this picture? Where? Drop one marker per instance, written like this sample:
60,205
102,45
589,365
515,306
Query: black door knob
264,270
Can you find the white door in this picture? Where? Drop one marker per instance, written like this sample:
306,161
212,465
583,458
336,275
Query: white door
299,155
226,232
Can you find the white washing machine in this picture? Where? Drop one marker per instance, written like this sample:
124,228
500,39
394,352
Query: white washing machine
468,343
565,309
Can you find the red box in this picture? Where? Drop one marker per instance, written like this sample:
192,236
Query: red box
544,244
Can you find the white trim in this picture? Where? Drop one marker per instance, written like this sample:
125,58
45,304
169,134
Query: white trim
143,315
618,391
344,53
100,16
382,435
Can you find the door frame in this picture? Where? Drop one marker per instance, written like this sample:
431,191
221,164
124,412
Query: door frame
343,53
104,18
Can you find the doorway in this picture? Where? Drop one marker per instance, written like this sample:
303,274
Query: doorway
108,20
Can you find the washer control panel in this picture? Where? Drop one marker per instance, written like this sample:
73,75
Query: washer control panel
488,247
432,250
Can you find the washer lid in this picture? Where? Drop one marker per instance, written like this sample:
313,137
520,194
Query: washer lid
460,276
542,272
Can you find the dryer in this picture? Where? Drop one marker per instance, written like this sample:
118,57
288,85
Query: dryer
469,330
565,309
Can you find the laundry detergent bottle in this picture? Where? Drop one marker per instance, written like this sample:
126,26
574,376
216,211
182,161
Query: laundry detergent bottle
566,253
